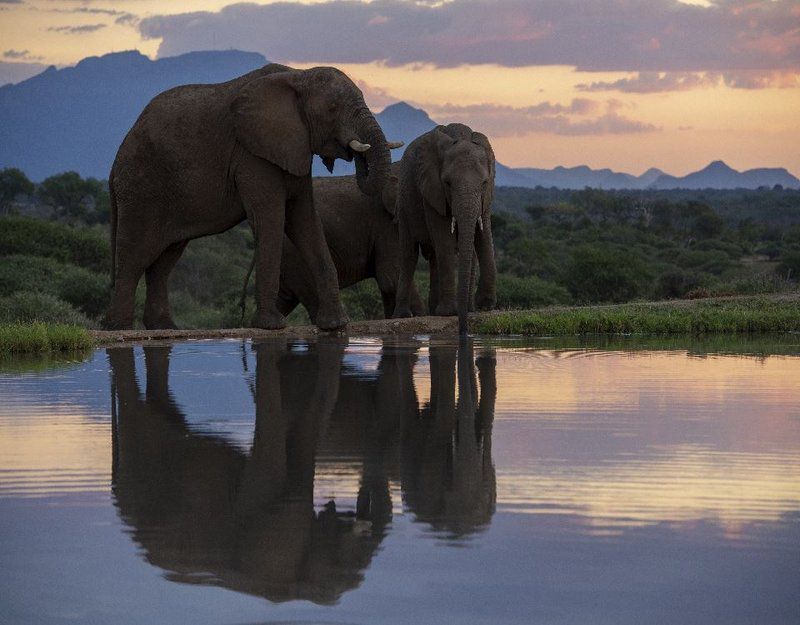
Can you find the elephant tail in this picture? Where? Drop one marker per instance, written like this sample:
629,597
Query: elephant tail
243,300
113,221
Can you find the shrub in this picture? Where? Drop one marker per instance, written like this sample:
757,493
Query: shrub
85,290
601,273
34,237
789,266
27,307
515,292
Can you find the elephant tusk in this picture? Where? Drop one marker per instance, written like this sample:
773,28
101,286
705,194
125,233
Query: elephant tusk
453,225
480,223
357,146
393,145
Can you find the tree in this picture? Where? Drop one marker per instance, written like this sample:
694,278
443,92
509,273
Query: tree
13,182
76,199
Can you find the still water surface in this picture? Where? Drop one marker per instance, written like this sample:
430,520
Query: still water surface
403,481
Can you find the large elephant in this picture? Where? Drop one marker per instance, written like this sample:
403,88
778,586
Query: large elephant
202,158
208,512
444,208
361,232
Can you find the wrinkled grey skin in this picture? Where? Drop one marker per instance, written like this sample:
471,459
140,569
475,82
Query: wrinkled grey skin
362,236
202,158
444,197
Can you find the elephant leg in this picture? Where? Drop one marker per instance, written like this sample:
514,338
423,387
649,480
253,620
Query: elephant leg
486,297
263,194
409,251
389,302
157,314
130,265
433,279
304,229
443,244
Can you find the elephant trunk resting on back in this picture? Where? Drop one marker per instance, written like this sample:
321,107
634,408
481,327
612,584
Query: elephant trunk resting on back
362,236
202,158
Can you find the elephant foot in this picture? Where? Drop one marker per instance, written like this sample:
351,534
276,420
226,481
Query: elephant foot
446,310
269,320
159,324
402,312
485,303
116,324
331,320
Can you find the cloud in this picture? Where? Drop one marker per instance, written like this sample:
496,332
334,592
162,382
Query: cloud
77,30
658,82
21,55
580,117
592,35
655,82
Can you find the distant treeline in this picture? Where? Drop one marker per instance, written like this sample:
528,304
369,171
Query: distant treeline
553,247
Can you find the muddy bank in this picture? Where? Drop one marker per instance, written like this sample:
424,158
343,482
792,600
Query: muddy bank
415,325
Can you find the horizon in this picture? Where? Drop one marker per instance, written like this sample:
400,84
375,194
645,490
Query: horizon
666,84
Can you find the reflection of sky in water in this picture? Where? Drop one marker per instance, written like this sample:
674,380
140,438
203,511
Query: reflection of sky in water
631,487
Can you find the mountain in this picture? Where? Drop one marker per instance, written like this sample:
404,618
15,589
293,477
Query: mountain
75,118
718,175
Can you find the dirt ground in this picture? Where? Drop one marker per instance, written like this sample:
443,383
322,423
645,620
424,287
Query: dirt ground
375,327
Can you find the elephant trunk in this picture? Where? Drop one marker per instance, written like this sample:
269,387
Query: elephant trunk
467,220
372,166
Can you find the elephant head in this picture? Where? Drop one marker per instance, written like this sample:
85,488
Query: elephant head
288,115
457,180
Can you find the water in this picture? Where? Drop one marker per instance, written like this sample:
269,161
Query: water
403,481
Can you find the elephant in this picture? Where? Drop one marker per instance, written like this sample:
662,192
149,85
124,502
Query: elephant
202,158
207,512
446,185
361,233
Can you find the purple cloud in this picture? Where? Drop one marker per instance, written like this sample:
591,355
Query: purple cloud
77,30
592,35
658,82
577,118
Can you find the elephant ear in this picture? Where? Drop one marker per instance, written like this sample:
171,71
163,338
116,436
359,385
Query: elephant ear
488,195
431,184
389,195
268,121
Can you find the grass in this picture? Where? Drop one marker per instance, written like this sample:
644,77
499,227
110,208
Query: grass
697,317
43,338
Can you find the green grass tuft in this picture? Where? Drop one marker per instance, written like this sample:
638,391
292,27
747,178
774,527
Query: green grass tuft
43,338
722,316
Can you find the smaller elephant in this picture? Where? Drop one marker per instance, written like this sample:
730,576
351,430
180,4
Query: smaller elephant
446,185
362,236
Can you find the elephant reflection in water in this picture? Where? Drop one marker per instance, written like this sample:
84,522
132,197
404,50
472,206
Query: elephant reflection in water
440,453
207,512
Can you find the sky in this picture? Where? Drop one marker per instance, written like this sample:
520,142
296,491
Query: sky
625,84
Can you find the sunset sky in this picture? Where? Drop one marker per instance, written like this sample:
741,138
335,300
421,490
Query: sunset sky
626,84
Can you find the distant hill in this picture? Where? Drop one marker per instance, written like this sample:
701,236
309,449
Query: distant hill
718,175
75,118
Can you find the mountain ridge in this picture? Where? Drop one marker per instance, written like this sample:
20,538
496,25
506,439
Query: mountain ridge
74,118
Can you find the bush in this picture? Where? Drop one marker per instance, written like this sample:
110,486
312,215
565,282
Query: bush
675,283
514,292
26,307
34,237
83,289
789,266
601,273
